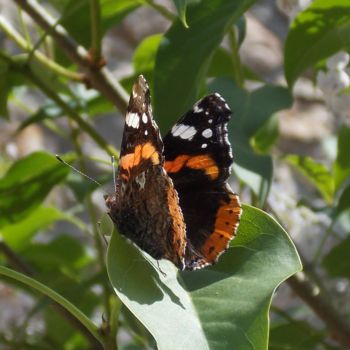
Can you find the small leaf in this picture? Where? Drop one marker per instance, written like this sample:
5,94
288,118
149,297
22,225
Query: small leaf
315,34
267,135
4,89
26,184
239,288
337,262
19,234
343,205
181,6
294,335
184,56
316,173
341,166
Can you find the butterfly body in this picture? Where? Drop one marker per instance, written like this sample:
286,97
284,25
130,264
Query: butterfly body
171,198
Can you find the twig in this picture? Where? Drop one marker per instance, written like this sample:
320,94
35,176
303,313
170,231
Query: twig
307,286
25,45
311,294
162,10
95,16
26,71
100,79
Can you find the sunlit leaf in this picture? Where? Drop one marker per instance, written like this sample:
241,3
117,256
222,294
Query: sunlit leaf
27,183
317,173
184,56
315,34
225,306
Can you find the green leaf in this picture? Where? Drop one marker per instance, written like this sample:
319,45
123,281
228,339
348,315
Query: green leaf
76,16
184,56
251,111
316,173
71,308
181,6
221,64
315,34
337,262
267,135
4,88
26,184
64,253
222,307
19,234
294,335
343,205
341,166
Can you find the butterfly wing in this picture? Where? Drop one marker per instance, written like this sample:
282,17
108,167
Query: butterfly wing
198,158
145,207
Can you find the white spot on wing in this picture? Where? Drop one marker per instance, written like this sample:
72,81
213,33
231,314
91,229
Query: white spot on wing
204,145
196,109
186,132
144,118
210,121
207,133
133,120
146,132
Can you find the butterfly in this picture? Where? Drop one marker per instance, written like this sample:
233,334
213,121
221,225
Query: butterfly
172,198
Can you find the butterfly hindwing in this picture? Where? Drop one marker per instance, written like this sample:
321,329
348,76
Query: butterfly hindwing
198,158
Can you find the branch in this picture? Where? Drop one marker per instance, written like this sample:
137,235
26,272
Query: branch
25,45
100,79
310,293
308,287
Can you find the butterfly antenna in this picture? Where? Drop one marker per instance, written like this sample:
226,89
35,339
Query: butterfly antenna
76,170
113,170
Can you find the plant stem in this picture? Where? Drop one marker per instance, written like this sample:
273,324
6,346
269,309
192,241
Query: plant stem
40,57
108,340
323,241
236,61
72,309
162,10
95,15
308,287
101,79
25,70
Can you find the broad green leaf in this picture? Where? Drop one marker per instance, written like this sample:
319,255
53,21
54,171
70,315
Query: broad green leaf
315,34
181,6
26,184
184,55
222,307
316,173
294,335
221,64
337,262
341,166
251,111
19,234
145,54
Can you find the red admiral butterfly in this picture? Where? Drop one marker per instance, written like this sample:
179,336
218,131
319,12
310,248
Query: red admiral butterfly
171,196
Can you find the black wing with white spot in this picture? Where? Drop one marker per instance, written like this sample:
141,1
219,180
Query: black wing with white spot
200,132
198,158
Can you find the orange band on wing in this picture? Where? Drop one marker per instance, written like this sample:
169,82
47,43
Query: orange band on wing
201,162
227,219
141,152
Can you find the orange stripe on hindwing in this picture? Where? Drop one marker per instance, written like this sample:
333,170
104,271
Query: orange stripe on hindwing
201,162
226,222
141,152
